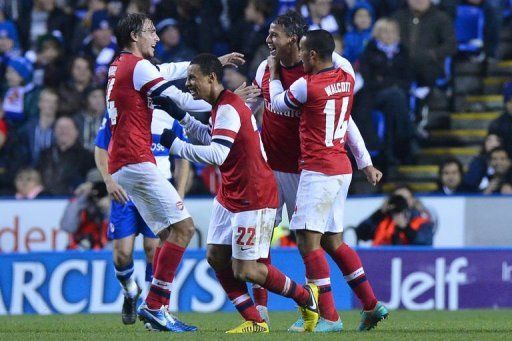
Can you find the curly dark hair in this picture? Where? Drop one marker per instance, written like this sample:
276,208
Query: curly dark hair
293,23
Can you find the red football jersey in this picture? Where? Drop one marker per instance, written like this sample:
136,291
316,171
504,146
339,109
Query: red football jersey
247,180
325,101
280,131
129,80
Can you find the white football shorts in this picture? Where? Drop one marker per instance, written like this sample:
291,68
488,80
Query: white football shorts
320,202
249,233
155,198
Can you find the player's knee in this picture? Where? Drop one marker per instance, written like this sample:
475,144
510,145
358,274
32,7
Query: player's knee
122,257
186,231
243,274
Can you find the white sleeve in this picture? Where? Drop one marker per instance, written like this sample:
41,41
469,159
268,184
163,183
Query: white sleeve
146,77
227,125
290,99
173,71
213,154
258,79
196,129
148,80
183,100
342,63
357,147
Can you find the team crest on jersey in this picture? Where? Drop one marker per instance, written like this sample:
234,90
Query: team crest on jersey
179,205
111,227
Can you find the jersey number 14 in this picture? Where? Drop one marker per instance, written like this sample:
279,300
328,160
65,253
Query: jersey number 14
332,134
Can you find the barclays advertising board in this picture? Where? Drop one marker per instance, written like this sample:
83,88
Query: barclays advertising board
416,279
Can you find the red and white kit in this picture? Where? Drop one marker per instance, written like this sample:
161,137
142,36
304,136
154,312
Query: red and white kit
325,102
280,132
131,80
245,206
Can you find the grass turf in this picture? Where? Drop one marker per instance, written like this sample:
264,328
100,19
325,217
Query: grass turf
403,325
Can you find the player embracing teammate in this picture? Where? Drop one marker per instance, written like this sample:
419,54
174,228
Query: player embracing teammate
318,151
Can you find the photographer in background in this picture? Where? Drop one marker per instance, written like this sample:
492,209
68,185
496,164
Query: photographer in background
86,215
397,223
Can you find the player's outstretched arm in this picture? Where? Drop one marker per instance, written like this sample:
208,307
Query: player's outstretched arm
363,159
194,128
213,154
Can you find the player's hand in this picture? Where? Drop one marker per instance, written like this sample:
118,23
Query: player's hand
373,175
167,104
248,93
273,65
116,191
167,138
233,58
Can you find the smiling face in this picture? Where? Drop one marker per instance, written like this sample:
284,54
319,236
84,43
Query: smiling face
198,84
147,39
278,42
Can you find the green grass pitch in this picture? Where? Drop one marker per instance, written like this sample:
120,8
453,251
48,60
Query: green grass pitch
401,325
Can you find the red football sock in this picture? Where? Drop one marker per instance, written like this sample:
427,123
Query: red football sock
169,257
317,272
259,293
282,285
350,265
238,294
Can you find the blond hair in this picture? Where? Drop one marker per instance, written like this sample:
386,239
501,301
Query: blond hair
382,23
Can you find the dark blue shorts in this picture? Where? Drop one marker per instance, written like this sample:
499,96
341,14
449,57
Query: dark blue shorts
125,221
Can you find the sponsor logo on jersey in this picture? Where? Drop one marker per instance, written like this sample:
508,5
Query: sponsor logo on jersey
338,87
288,113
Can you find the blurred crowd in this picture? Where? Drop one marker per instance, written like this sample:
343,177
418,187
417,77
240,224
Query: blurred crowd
54,56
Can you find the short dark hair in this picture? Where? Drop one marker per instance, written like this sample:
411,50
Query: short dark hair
293,24
208,63
450,161
132,22
321,42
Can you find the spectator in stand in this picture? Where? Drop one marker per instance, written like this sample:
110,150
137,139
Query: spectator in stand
40,17
396,223
250,32
429,36
479,170
450,179
492,21
502,126
86,216
28,184
100,46
89,119
198,21
37,134
385,8
361,21
502,165
9,43
72,92
20,96
385,68
171,48
64,165
318,14
47,61
506,188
